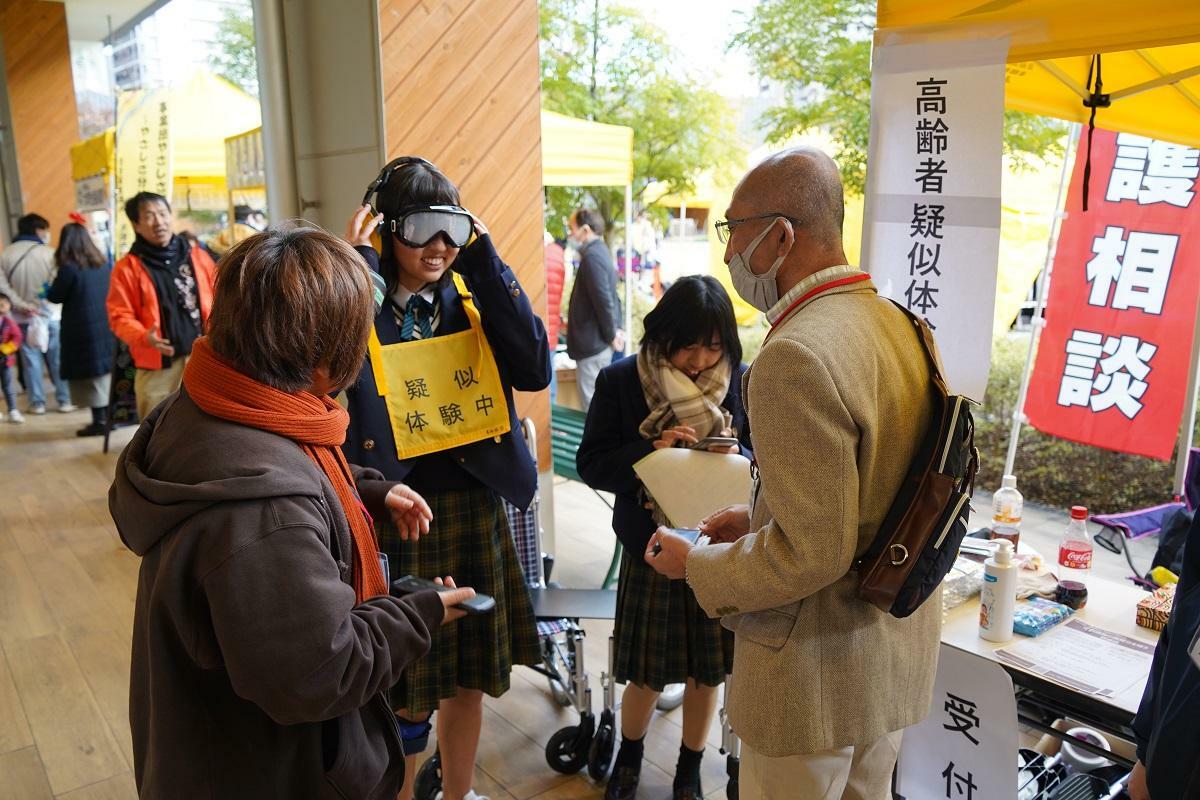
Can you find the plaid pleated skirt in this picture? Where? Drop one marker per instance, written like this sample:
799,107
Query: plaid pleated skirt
469,540
662,635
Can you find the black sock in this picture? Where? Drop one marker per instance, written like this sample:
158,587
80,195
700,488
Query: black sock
687,771
630,753
99,415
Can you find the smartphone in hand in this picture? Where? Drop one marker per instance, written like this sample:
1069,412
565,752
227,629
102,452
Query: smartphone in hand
409,584
691,534
715,443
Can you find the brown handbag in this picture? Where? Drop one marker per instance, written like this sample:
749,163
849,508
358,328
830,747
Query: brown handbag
918,542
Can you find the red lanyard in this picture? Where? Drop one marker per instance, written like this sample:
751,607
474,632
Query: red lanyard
825,287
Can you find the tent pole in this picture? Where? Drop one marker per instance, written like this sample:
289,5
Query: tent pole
1189,412
628,272
1037,323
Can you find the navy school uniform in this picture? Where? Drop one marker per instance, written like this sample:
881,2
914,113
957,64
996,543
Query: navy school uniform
469,536
662,636
518,340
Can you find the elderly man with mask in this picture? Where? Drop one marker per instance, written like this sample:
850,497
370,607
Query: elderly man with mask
839,399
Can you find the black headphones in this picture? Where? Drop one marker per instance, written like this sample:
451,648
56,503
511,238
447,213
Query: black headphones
385,174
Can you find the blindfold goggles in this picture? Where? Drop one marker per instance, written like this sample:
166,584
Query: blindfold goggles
418,227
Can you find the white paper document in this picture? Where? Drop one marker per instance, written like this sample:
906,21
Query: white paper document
1086,658
688,485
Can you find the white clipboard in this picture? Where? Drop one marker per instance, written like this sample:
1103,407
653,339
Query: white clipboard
689,485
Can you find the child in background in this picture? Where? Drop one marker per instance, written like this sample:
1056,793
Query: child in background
10,342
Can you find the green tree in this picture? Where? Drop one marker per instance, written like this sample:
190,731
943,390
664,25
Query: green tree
819,53
608,63
235,58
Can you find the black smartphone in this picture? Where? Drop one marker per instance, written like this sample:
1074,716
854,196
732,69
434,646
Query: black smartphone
479,604
691,534
715,443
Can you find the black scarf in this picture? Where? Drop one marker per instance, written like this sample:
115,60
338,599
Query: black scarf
174,277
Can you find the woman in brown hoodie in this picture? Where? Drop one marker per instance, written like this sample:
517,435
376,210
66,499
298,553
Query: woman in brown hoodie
263,632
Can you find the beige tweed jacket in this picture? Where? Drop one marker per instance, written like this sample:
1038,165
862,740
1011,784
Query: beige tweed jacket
839,399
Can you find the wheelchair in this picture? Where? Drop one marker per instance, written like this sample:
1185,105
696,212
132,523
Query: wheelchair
559,612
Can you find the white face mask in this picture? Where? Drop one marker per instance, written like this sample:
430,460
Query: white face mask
759,291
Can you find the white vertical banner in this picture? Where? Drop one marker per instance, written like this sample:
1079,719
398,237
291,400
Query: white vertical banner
967,746
143,154
931,234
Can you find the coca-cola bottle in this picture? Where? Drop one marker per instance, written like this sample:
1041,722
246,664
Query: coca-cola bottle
1075,548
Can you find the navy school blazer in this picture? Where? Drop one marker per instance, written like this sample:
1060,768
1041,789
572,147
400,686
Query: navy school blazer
611,445
518,340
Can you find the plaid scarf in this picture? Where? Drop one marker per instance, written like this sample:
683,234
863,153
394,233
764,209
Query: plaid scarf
675,399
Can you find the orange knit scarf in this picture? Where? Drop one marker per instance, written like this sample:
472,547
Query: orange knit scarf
317,424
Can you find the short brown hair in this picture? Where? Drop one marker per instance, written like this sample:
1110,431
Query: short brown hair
288,301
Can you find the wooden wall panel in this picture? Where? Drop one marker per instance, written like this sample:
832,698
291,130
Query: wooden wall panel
461,88
41,97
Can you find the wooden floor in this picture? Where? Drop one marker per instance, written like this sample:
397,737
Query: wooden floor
67,588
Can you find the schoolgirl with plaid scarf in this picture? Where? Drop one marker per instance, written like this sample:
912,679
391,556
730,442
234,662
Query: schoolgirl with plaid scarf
682,386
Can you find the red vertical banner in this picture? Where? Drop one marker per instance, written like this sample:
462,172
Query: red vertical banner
1112,362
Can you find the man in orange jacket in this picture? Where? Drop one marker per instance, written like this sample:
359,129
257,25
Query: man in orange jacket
159,299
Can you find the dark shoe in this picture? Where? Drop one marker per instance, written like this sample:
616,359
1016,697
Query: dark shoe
94,429
687,793
623,784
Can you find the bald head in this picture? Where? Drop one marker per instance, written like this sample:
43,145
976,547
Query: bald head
801,182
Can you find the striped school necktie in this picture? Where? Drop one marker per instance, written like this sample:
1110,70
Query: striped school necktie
418,319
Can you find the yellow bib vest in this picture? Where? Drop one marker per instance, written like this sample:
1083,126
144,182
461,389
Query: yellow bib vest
441,392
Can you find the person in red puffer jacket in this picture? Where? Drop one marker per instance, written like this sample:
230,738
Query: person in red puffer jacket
556,274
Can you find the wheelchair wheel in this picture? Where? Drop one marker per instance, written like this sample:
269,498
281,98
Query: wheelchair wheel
671,697
567,750
428,782
601,751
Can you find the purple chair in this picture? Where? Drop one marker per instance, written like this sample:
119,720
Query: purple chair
1148,521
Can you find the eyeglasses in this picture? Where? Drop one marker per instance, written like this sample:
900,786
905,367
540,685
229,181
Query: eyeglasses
725,226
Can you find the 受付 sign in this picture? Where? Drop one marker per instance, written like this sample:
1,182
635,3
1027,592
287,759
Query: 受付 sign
1112,361
932,232
966,748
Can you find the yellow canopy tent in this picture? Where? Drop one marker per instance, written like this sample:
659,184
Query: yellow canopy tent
1150,55
205,110
577,152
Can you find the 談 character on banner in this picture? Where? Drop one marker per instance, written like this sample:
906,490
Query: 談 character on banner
1123,363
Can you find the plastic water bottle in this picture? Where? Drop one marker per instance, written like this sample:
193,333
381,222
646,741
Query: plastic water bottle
1007,506
1075,548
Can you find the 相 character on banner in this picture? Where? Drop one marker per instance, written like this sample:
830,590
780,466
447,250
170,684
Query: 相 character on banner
1140,268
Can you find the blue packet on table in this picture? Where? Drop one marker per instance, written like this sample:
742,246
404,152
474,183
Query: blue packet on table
1038,615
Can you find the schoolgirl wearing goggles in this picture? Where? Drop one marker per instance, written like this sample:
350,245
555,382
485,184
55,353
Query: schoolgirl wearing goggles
433,407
